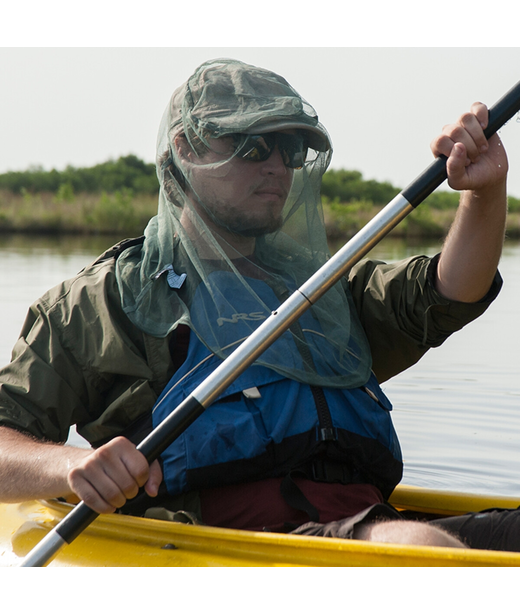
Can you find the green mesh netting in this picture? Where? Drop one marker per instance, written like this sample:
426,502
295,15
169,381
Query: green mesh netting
234,237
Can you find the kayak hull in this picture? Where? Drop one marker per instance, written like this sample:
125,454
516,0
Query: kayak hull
119,540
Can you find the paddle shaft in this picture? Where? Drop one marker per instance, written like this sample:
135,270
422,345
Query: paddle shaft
274,326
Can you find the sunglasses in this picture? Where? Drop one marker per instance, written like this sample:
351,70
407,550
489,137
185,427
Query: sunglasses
258,148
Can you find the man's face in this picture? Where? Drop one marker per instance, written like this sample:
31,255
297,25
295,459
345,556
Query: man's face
240,196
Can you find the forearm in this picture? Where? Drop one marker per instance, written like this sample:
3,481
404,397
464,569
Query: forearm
32,469
471,253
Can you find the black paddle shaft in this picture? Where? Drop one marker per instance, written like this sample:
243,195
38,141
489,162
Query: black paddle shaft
151,447
189,410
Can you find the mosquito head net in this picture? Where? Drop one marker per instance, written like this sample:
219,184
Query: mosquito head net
240,158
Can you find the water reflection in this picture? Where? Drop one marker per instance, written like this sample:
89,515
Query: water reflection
457,412
30,265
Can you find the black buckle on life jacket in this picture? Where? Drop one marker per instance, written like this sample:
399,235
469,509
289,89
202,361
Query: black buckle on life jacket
327,471
327,433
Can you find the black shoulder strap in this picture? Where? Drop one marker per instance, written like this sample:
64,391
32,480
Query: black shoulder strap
294,496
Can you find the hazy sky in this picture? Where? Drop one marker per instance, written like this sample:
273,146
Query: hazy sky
382,106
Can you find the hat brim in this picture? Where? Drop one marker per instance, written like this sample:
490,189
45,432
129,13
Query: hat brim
318,138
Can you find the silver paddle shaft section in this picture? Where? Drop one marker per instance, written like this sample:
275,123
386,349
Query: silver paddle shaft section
316,286
44,550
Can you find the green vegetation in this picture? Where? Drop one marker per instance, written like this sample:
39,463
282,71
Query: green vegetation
121,212
121,196
114,197
350,202
127,172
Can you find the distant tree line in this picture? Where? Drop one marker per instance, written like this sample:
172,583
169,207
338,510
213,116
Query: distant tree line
129,173
347,186
126,172
343,187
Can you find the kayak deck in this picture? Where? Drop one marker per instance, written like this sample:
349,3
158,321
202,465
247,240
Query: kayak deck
119,540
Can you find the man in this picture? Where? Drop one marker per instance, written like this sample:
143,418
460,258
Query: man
303,439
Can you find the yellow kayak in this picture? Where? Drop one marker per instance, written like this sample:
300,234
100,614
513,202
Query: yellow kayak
118,540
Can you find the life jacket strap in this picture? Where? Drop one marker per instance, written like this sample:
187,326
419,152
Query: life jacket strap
294,496
318,470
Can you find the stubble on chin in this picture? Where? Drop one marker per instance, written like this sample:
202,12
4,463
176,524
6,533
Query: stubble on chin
244,223
272,226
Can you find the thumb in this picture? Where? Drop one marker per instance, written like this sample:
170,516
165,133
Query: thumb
456,166
154,479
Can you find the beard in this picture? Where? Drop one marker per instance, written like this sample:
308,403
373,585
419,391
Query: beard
242,222
246,229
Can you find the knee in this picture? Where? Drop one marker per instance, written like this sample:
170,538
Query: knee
407,533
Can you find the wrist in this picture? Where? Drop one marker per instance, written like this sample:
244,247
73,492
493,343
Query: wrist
489,196
498,188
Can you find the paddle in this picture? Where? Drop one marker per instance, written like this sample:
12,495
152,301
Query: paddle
279,321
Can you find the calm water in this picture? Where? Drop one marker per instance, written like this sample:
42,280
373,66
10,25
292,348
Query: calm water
457,412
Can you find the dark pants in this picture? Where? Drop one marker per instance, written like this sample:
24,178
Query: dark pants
494,529
497,529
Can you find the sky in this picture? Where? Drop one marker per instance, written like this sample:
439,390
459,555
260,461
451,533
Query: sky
82,105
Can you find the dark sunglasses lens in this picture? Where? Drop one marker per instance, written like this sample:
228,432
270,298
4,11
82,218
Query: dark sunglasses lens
256,147
293,149
298,160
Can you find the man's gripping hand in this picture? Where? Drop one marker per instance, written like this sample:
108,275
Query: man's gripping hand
112,474
474,163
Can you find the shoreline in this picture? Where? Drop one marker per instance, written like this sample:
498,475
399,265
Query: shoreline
124,213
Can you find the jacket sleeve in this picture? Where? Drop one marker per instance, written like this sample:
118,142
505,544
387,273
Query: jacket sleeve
402,313
42,389
79,361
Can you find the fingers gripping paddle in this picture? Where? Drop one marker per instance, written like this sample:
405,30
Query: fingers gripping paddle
273,327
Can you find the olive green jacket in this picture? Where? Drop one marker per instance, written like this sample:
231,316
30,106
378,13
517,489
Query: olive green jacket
80,361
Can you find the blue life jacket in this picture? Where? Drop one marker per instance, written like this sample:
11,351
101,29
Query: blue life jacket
266,425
